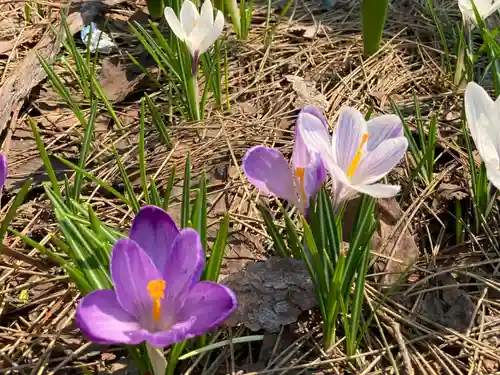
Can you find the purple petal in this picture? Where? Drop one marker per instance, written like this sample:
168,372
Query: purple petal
346,138
314,176
382,128
268,170
316,112
154,231
184,264
177,333
210,303
207,305
131,271
3,170
378,163
101,318
302,157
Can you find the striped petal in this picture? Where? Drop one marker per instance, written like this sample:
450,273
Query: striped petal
347,137
382,128
378,163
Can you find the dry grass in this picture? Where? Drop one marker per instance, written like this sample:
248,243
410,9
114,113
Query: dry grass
409,334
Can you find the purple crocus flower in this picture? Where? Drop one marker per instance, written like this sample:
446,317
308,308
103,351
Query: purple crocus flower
268,170
3,169
157,295
358,153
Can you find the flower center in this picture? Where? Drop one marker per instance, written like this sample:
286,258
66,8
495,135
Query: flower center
156,289
357,158
195,21
299,172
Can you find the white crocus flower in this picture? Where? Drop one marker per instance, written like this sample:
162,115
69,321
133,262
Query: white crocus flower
198,30
485,8
483,118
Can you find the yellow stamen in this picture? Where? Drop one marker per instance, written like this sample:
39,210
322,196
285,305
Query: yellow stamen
195,22
299,172
357,158
156,289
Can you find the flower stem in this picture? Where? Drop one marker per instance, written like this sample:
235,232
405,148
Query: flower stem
196,97
157,359
194,92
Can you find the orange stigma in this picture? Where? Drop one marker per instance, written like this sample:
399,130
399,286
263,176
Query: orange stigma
357,158
299,172
156,289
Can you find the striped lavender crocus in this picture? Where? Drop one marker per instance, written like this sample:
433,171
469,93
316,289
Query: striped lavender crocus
358,153
157,296
269,171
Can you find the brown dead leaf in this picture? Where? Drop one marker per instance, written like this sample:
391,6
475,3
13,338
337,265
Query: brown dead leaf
305,31
449,306
271,293
27,35
118,80
397,256
245,109
451,191
108,356
447,192
307,94
25,161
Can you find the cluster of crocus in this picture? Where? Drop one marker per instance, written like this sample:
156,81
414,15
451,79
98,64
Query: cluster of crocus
483,118
357,155
198,30
157,296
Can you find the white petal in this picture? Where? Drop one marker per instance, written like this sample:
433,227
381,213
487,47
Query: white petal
189,17
207,13
347,136
338,174
203,27
174,23
214,33
378,163
484,126
493,174
486,7
497,105
378,190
